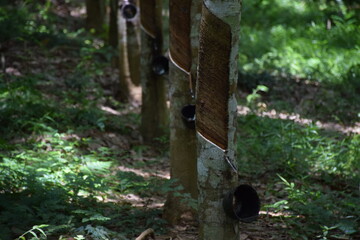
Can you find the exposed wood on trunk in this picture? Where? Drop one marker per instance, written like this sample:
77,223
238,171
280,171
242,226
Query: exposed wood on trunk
180,28
196,7
213,83
150,17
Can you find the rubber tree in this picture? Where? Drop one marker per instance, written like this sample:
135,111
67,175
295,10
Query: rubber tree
184,23
113,27
216,115
133,42
124,71
95,14
154,111
124,34
133,47
113,38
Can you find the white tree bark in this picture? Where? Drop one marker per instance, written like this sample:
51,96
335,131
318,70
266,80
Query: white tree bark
133,47
124,73
219,38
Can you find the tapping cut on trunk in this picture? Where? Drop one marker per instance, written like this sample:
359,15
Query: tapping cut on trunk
149,18
213,79
180,28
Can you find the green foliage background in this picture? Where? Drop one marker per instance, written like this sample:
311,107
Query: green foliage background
52,183
290,48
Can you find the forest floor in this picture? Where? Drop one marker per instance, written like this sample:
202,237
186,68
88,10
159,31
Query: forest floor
57,63
28,60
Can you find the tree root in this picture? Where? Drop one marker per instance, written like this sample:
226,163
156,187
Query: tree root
147,233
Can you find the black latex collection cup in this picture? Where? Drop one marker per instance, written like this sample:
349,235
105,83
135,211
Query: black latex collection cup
242,203
188,116
160,65
128,10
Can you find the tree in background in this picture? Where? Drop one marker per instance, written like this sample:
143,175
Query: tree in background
184,23
113,28
216,109
95,15
154,110
133,45
124,35
124,71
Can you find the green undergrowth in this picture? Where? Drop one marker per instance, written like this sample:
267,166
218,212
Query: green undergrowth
318,171
311,39
286,42
53,179
302,58
58,178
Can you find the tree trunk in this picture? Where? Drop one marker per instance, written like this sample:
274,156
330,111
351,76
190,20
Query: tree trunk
124,72
129,48
184,16
133,48
154,111
113,30
95,15
216,115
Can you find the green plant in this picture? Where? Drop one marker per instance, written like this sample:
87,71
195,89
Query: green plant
45,183
297,41
254,97
187,200
319,208
32,232
325,232
129,182
12,22
319,171
97,232
315,41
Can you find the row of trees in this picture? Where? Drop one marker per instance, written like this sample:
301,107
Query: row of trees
203,73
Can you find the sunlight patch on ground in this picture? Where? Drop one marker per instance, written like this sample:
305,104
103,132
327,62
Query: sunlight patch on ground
279,214
134,200
78,12
13,71
243,110
112,111
140,172
136,94
137,201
